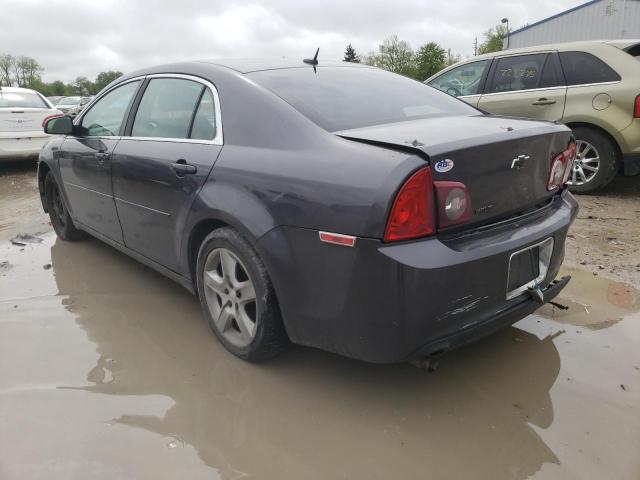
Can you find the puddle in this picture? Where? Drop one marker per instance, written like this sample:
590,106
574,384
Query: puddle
115,374
594,302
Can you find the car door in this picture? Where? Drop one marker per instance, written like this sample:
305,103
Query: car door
530,86
173,139
85,161
464,82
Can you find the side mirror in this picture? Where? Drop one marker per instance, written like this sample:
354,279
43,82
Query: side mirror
58,125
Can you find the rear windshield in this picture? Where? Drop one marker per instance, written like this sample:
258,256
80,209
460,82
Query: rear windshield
341,98
21,100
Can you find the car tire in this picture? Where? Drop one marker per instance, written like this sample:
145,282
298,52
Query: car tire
61,221
248,325
608,155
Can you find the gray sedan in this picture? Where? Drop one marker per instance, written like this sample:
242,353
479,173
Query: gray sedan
337,206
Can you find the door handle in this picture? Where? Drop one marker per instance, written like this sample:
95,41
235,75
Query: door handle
182,168
102,156
544,101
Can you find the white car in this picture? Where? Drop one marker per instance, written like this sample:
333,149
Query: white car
22,114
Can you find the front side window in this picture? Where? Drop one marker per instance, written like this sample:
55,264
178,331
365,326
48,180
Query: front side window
21,100
106,116
463,80
166,108
522,72
581,68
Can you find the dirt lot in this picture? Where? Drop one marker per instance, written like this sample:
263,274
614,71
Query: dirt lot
109,371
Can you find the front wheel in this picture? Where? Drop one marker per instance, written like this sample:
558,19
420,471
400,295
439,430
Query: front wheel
596,162
237,297
58,214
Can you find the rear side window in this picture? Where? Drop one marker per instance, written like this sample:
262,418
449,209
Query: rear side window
522,72
166,108
581,68
462,80
204,122
634,51
21,100
552,73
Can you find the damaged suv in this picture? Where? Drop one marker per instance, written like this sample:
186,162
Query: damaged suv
337,206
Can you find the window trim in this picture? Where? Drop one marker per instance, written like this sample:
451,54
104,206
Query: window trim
218,139
133,108
608,82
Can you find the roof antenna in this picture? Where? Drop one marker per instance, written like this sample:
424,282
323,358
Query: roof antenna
313,61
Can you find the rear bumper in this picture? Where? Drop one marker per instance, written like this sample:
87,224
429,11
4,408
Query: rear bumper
389,303
22,147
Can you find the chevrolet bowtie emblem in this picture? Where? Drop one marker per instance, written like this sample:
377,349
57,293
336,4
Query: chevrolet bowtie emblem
519,161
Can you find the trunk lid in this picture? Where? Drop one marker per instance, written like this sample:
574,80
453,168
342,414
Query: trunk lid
23,119
480,151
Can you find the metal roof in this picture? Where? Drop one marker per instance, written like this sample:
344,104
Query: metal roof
578,7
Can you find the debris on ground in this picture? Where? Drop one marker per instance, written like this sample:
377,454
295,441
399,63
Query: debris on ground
22,239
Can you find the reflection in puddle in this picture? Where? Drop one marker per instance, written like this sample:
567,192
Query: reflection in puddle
521,403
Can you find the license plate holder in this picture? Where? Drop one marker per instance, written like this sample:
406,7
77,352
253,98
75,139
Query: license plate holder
528,267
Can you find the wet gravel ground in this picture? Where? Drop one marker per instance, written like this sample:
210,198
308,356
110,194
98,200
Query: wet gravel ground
109,371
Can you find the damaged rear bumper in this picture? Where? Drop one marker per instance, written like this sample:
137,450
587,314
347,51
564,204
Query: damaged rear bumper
388,303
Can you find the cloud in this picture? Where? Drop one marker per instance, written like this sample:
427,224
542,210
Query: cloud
73,38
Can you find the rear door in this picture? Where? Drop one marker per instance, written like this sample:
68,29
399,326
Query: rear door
173,139
85,161
464,82
528,86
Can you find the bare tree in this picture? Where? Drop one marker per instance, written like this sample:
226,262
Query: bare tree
6,67
27,71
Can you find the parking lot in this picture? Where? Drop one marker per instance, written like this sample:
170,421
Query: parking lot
115,374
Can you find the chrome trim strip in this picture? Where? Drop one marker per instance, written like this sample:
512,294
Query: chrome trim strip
594,84
468,96
217,140
87,189
142,206
562,87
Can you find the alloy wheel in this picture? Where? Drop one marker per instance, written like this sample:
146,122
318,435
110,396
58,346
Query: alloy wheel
231,297
586,165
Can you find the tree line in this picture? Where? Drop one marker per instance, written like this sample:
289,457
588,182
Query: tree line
26,72
397,56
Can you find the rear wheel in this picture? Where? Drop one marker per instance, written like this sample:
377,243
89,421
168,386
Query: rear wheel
596,162
60,219
237,297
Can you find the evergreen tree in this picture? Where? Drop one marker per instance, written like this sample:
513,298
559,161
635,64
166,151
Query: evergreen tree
350,55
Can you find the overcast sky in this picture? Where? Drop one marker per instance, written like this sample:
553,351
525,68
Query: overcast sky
71,38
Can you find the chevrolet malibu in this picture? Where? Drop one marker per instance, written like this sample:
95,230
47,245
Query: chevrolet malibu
337,206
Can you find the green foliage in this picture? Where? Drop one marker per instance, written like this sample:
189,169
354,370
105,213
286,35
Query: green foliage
350,55
493,39
394,55
27,72
430,58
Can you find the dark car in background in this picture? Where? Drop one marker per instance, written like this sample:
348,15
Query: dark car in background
336,206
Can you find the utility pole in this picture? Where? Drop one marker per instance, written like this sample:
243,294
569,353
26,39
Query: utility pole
475,48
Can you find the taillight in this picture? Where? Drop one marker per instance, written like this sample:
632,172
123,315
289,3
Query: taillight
454,203
636,109
561,167
46,119
412,214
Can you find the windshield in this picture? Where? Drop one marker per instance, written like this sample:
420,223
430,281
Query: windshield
21,100
69,101
342,98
